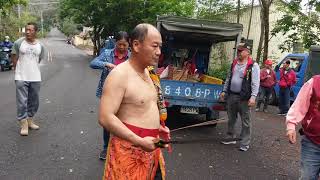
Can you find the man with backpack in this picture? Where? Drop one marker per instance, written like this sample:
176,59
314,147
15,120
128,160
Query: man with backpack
27,53
241,88
287,80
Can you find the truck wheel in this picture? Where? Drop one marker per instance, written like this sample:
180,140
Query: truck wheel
212,115
2,67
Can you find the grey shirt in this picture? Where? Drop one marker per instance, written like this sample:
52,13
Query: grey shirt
237,78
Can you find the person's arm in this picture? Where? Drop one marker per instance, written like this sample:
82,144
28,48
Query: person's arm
300,107
14,59
225,87
101,61
14,55
111,99
255,83
43,53
298,110
262,75
293,78
227,82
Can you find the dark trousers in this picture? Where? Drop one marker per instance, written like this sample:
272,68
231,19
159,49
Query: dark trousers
106,137
284,100
264,97
235,106
158,175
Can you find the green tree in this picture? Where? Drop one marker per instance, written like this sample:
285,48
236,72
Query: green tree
297,26
11,23
107,17
69,28
214,9
6,5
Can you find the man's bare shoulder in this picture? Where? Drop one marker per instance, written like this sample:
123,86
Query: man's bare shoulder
120,72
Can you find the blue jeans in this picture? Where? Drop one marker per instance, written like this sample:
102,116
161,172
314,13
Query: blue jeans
27,96
310,159
284,100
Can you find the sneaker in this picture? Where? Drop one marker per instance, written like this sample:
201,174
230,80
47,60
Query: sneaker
244,148
103,154
265,111
229,140
257,109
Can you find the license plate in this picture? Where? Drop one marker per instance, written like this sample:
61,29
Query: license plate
189,110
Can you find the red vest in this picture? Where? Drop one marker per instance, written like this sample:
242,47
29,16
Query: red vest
312,129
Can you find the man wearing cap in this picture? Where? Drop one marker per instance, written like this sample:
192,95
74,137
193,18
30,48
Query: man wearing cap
267,82
241,88
287,80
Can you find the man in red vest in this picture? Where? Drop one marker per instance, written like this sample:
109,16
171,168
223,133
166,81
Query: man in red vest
267,82
241,89
306,109
287,80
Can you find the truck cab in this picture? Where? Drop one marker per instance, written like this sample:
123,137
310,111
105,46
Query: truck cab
305,65
187,40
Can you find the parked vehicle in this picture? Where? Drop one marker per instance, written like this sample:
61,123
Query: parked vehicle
193,38
305,66
5,61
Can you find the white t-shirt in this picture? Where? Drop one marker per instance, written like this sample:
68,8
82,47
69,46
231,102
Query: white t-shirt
27,68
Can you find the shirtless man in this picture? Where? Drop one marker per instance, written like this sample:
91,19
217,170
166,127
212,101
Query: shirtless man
129,110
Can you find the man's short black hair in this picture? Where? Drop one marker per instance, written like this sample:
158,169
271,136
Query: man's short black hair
34,25
287,61
139,33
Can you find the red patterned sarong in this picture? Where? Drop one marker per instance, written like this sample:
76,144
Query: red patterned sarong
127,162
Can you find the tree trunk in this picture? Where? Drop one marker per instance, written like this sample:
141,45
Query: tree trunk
238,12
266,31
94,40
261,34
250,19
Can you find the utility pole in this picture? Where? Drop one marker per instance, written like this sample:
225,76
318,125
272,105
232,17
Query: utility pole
19,16
41,12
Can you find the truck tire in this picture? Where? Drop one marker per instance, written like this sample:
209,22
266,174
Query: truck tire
2,67
212,115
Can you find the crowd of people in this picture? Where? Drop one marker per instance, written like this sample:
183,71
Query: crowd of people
133,119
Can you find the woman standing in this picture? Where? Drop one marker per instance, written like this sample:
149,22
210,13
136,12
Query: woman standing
106,61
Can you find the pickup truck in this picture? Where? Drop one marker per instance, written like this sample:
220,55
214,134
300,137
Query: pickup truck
305,66
177,32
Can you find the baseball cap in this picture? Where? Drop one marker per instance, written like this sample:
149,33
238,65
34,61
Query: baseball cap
244,46
268,62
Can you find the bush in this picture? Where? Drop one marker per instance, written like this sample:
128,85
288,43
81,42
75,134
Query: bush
220,72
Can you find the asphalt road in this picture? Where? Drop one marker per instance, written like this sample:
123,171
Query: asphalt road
69,140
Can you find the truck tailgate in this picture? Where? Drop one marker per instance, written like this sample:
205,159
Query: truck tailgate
190,93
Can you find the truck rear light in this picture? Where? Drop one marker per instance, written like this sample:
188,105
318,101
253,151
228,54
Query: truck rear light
219,107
